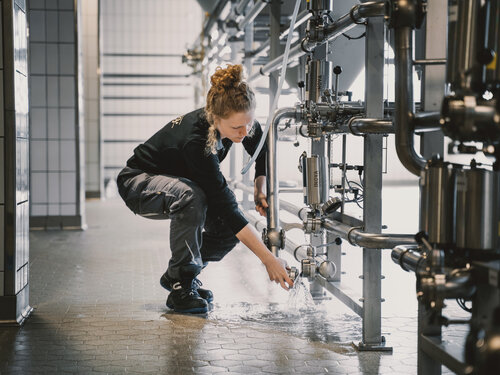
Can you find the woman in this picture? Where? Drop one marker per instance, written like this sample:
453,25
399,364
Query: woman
175,175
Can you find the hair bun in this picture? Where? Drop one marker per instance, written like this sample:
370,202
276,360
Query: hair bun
231,76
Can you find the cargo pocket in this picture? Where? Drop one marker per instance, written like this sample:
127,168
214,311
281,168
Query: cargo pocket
155,204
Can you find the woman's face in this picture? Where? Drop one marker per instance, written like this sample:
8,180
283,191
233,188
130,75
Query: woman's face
235,126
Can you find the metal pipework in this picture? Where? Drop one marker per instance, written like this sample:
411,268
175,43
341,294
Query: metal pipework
408,257
273,181
437,202
423,122
478,209
357,15
493,44
405,112
463,67
357,237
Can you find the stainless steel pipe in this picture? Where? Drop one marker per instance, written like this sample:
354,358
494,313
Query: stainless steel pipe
357,237
272,172
423,122
407,257
405,112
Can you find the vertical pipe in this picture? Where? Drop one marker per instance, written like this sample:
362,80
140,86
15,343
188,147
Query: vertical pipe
404,112
372,189
273,182
248,42
434,76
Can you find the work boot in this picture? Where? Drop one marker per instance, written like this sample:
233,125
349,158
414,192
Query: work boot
166,282
184,298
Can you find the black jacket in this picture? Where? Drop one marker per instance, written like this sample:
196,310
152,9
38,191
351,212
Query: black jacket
179,149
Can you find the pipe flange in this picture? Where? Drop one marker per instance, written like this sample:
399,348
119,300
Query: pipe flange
349,235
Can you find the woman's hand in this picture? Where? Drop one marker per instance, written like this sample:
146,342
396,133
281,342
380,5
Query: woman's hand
259,196
276,268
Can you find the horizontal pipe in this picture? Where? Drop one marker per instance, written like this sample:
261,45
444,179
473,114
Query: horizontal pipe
430,62
358,14
423,122
357,237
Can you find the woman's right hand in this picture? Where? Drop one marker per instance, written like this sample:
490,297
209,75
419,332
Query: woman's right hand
276,269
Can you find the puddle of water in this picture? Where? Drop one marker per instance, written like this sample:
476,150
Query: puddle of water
300,316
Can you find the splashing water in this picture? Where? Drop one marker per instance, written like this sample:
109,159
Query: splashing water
300,299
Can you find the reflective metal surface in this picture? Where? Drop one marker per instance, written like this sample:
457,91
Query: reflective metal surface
478,207
437,202
462,45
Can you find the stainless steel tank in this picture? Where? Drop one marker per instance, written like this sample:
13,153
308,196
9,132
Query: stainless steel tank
437,202
478,206
462,68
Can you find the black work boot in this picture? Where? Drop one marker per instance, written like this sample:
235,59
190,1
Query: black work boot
184,298
166,282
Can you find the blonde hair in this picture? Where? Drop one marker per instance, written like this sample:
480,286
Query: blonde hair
228,94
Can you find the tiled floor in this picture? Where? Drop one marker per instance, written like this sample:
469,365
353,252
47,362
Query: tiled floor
100,309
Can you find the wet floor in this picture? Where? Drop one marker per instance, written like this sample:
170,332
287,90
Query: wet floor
100,309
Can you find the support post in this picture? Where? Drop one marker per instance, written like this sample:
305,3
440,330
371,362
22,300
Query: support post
432,40
372,189
247,61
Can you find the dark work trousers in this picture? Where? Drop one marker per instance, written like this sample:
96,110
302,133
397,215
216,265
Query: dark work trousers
196,236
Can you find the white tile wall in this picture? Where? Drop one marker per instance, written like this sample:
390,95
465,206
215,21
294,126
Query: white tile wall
39,209
53,123
54,188
66,26
52,58
38,156
37,25
52,91
39,187
67,121
38,58
67,91
68,187
68,155
53,155
67,59
38,91
51,26
38,123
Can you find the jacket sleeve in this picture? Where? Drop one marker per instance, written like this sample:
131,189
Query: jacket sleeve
250,143
204,170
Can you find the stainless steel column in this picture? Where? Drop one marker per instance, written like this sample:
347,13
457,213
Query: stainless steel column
372,206
434,76
273,181
247,61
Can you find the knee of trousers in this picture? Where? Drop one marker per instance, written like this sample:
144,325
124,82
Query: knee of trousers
191,207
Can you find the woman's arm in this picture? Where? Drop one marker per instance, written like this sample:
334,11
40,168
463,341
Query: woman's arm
259,195
274,266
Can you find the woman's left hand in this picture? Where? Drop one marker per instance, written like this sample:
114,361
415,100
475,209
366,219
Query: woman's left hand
259,196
